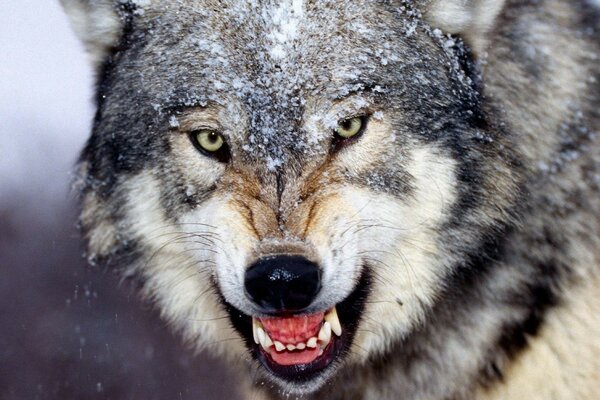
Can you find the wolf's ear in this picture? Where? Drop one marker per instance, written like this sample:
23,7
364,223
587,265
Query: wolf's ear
472,19
97,23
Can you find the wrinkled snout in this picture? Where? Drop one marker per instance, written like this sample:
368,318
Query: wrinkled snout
283,283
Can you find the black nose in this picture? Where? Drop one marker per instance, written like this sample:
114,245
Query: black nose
283,283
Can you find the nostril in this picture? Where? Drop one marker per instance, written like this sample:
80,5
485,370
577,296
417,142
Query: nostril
283,283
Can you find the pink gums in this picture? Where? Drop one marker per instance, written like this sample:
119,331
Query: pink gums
292,330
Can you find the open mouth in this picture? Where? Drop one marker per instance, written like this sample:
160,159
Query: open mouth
294,345
299,348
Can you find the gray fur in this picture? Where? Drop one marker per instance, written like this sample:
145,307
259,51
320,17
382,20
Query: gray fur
519,118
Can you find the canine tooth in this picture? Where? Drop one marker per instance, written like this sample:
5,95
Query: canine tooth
268,342
334,321
290,347
320,352
260,333
264,339
325,334
301,346
279,346
255,325
312,342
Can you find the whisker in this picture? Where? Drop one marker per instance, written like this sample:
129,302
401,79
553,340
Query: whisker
177,224
208,319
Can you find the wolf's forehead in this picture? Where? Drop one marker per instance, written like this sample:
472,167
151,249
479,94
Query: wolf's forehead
277,59
281,46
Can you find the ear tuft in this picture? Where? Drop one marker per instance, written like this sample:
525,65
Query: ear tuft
472,19
97,24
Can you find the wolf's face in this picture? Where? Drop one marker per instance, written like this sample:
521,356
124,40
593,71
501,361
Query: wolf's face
288,179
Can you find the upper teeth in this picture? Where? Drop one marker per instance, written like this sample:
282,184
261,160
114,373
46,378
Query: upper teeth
255,325
267,343
325,334
331,324
278,346
334,321
261,334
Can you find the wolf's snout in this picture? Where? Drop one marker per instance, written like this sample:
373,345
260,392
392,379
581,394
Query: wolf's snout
283,283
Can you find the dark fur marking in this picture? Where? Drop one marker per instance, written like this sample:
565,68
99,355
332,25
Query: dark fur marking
537,298
541,297
174,196
249,214
311,215
107,69
280,178
462,289
127,253
590,19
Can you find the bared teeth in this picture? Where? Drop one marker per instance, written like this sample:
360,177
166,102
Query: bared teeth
264,339
268,342
334,321
279,346
325,334
331,324
260,336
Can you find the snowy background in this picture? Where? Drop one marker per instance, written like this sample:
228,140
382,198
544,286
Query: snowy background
67,331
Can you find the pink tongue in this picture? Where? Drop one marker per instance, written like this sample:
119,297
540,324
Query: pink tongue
295,357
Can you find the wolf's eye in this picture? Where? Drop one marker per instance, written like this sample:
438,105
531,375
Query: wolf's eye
211,143
209,140
350,127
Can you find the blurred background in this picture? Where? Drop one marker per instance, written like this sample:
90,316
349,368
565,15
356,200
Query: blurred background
68,331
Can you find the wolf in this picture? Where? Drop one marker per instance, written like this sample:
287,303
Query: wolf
394,199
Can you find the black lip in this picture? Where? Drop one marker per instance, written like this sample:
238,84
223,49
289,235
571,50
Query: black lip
349,312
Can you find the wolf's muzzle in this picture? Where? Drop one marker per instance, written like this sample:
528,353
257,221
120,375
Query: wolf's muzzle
283,283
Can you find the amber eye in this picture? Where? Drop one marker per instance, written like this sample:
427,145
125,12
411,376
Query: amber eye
211,143
350,127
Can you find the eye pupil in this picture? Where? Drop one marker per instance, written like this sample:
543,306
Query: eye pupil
213,137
